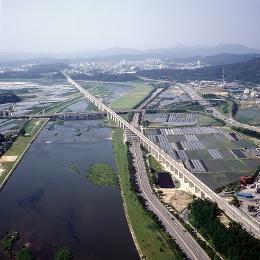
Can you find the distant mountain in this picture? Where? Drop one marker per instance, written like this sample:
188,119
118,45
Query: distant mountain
228,58
219,59
248,71
176,52
191,51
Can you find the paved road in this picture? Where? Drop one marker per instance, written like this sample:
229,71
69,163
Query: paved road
228,120
172,225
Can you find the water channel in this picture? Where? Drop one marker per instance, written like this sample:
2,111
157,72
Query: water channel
51,203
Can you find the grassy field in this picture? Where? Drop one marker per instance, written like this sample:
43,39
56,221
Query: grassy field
206,120
133,97
152,240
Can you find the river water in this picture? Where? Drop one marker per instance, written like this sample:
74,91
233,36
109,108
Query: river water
51,203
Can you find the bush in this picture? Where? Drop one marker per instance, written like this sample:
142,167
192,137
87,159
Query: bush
24,254
63,253
8,242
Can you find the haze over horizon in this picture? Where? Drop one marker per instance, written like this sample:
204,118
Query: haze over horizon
71,26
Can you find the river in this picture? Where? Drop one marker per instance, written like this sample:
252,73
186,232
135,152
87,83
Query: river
51,203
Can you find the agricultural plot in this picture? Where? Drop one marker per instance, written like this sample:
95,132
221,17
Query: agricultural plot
172,119
171,96
215,155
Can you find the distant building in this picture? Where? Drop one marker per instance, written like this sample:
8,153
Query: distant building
252,94
246,91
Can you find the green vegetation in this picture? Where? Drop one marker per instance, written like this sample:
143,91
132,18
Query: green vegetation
244,71
154,164
207,120
155,167
233,242
234,108
24,254
188,106
248,132
7,242
19,145
133,97
257,171
102,174
9,98
152,239
63,253
106,77
235,201
225,107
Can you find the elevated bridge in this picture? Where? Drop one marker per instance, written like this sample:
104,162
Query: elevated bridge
71,115
176,168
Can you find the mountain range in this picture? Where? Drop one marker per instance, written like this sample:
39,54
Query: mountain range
177,52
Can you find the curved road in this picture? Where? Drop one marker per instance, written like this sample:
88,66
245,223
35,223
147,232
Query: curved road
186,242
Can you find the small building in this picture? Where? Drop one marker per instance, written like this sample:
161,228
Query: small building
244,180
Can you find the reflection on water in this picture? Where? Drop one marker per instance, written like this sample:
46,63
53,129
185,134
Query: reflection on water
52,204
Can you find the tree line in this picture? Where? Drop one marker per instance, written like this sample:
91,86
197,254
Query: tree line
232,242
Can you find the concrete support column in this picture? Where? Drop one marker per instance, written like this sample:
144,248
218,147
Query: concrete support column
167,164
191,185
196,189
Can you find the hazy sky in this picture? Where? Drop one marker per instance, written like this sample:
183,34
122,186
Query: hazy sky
73,25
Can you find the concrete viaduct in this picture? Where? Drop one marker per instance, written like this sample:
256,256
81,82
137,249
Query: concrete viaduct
185,177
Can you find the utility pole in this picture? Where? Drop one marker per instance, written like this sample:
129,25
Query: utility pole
223,78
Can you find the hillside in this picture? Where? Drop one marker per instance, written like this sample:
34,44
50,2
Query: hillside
244,71
36,71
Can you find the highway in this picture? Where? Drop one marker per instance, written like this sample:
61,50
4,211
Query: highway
228,120
183,238
237,215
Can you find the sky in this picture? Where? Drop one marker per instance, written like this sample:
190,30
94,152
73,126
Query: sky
60,26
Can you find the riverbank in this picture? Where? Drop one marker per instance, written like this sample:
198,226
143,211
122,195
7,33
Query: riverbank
151,240
20,146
